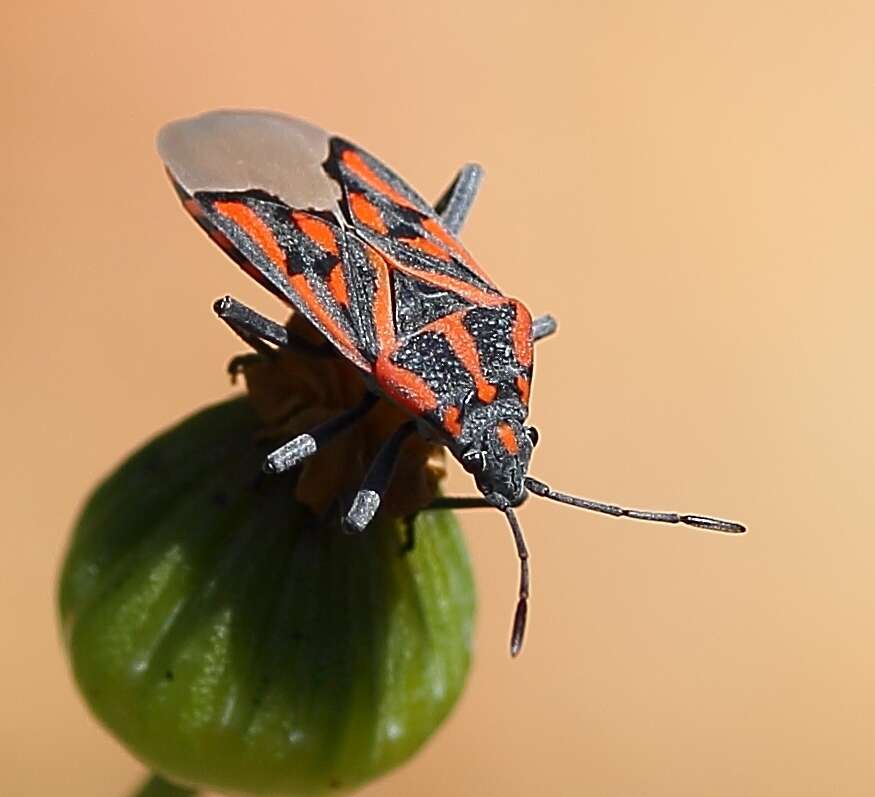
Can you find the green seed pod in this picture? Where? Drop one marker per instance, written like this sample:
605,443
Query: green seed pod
233,641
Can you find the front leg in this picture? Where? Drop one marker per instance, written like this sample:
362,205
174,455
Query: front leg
457,200
440,502
370,495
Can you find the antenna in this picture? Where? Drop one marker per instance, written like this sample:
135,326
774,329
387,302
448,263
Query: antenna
699,521
544,491
522,606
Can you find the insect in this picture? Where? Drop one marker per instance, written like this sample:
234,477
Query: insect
382,275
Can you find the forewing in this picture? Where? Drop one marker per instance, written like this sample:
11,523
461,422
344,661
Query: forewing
455,338
239,151
296,254
396,292
255,182
392,217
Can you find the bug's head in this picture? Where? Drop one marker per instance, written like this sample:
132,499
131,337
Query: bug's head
499,459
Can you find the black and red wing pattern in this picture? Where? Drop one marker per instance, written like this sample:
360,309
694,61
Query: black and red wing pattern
454,336
397,221
388,286
301,257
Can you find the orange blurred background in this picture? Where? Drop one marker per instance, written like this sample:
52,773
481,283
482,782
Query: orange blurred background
687,186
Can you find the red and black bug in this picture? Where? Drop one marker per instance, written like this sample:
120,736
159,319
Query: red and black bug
382,275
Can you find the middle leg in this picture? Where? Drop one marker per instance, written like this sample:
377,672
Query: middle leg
305,445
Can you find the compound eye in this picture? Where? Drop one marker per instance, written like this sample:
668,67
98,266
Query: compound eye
474,461
532,434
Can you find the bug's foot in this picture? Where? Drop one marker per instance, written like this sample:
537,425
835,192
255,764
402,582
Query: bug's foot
290,454
238,364
361,513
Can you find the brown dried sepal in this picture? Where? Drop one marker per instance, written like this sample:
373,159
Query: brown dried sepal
293,392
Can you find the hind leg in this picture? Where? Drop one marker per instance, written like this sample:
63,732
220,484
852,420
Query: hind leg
455,204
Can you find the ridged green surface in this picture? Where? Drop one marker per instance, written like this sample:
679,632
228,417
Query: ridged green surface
231,642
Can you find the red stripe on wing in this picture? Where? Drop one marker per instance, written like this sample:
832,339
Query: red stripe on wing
249,221
435,228
338,334
356,164
317,230
367,213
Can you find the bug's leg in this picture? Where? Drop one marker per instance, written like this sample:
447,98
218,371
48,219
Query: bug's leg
543,326
258,331
409,533
305,445
464,502
370,495
443,502
252,327
459,502
440,502
239,362
456,201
